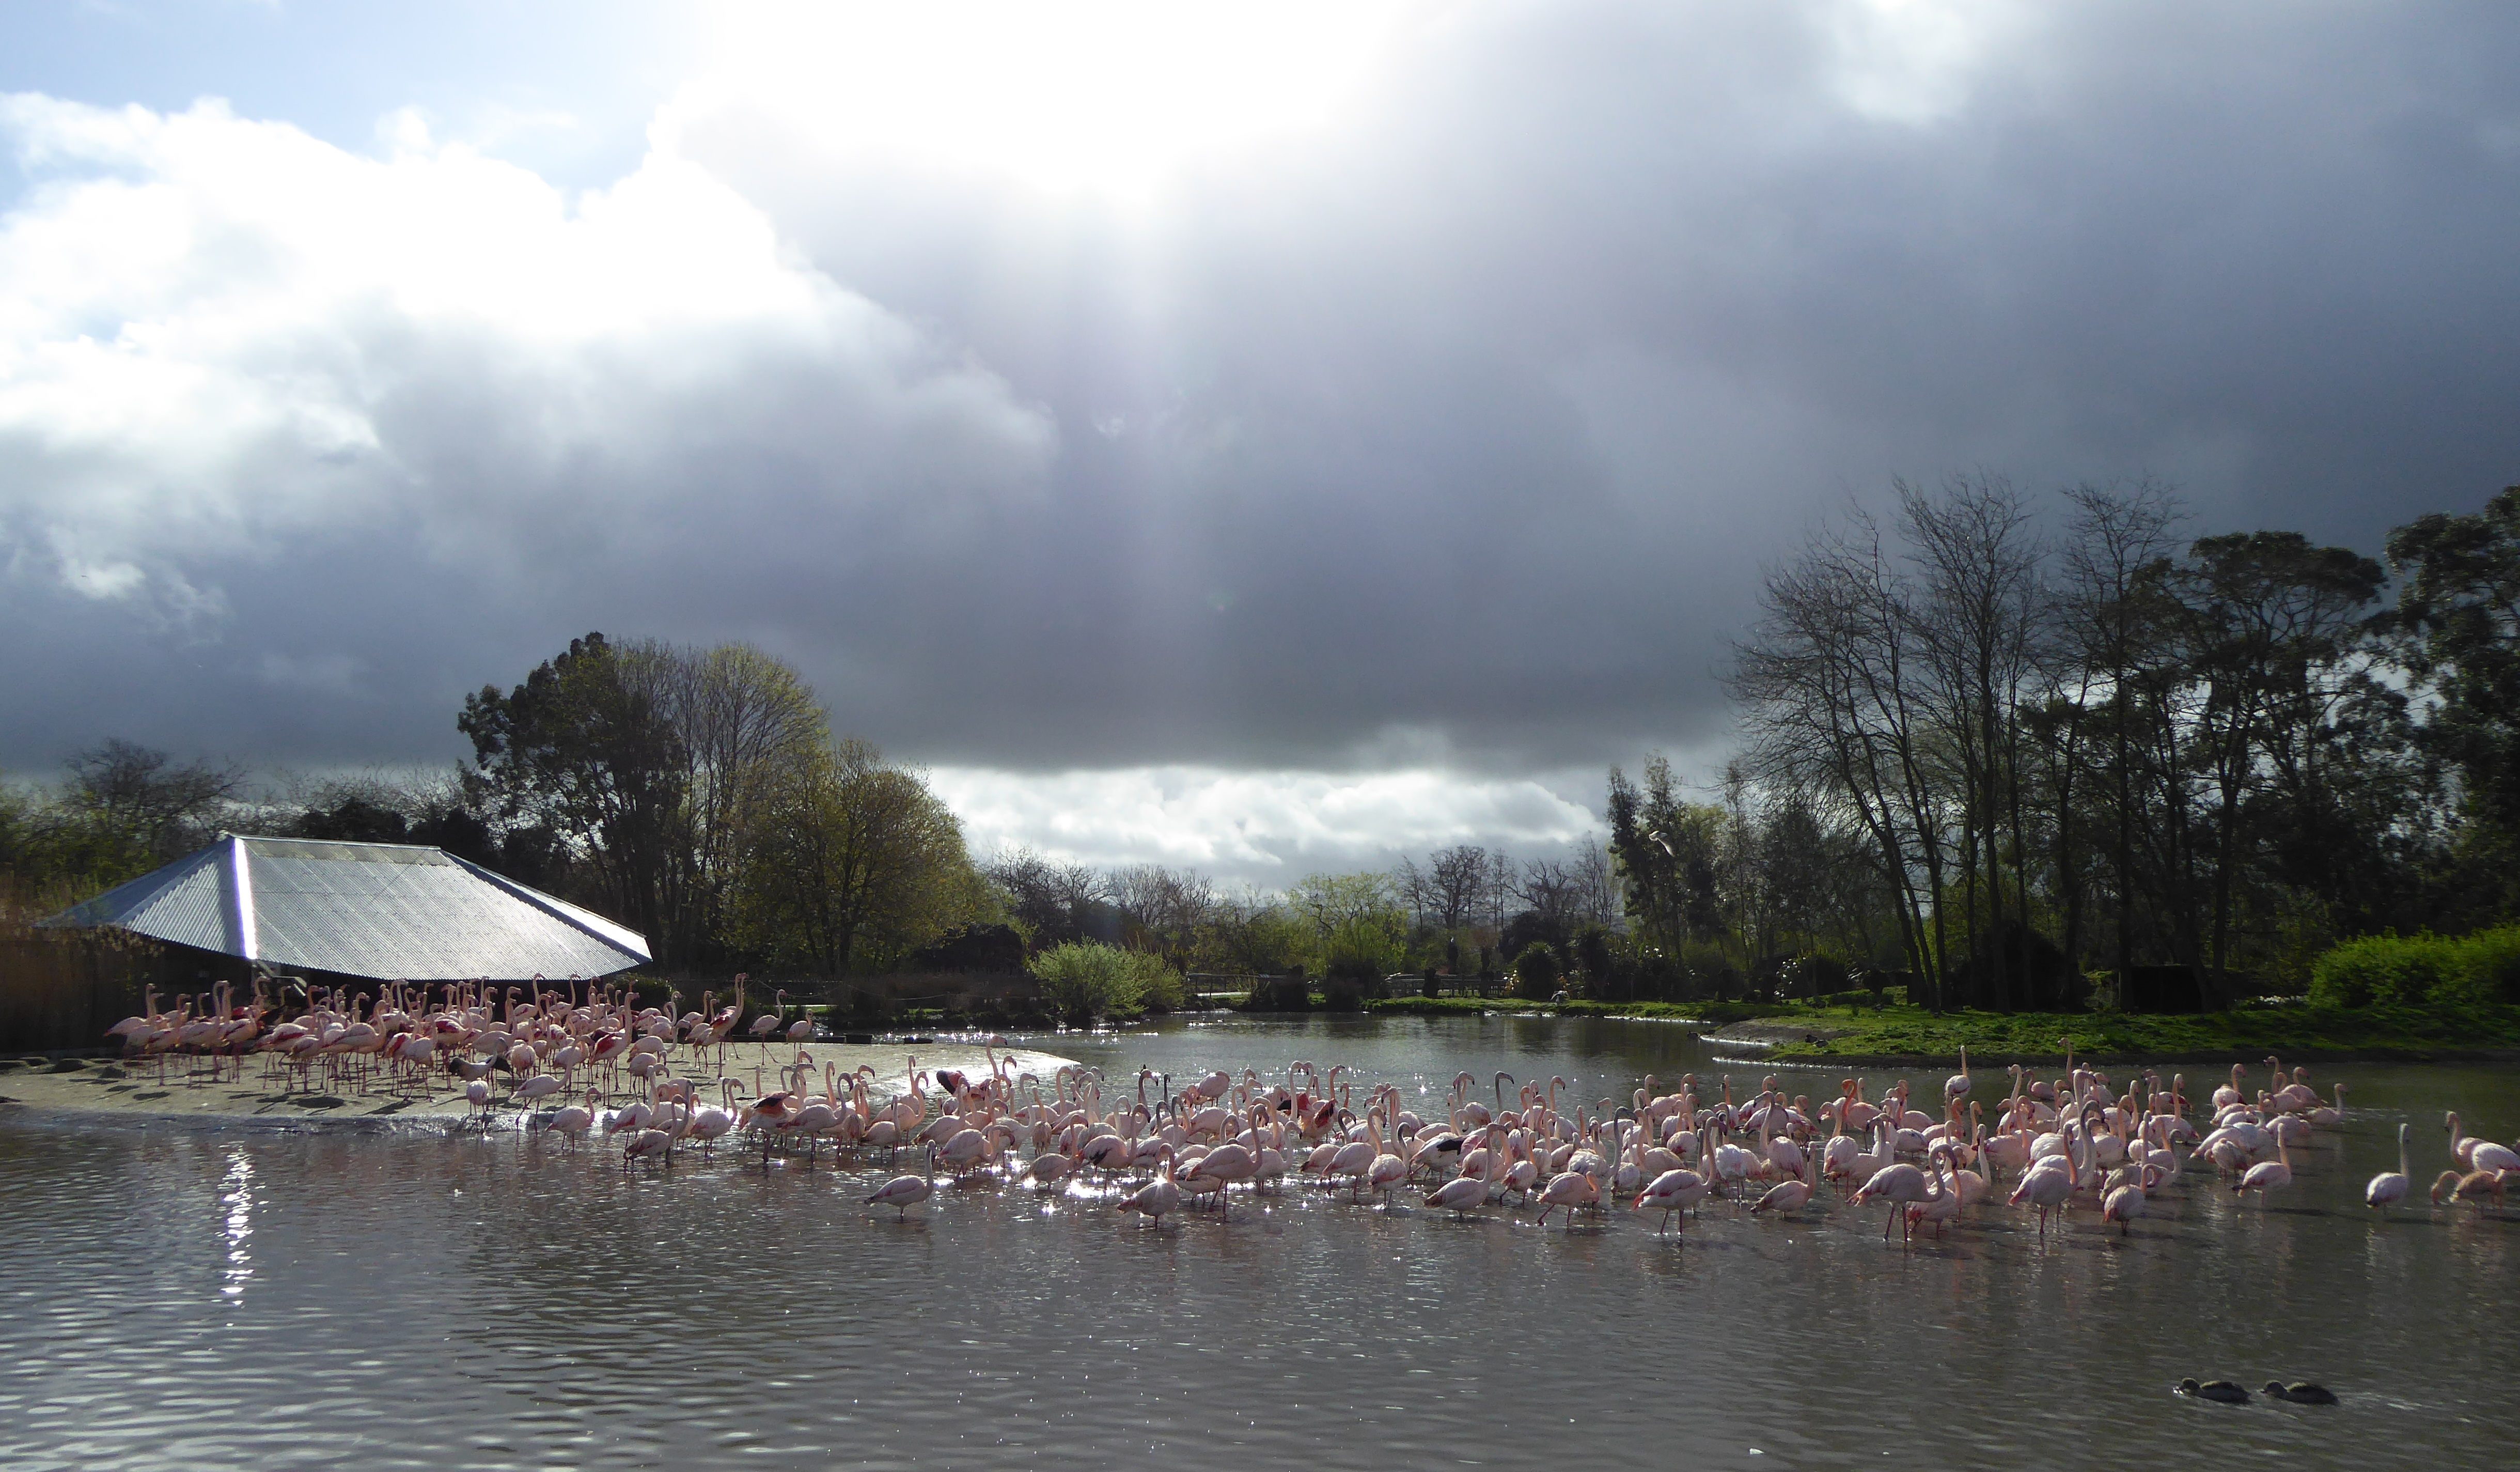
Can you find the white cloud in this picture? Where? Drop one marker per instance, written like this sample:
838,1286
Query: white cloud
1917,61
1268,828
1109,97
219,337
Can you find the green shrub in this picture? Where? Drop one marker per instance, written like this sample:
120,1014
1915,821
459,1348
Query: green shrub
1160,986
1084,981
2491,965
2410,971
1535,972
1360,948
2379,970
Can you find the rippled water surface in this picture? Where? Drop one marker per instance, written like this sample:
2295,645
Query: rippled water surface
188,1297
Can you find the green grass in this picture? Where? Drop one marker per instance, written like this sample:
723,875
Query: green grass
1904,1033
2306,1031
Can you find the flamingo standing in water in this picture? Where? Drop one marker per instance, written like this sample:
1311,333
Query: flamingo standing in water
573,1121
1158,1196
1674,1191
2474,1154
1941,1204
1898,1183
906,1191
2475,1185
1465,1191
1569,1190
2266,1175
2389,1186
2125,1203
714,1123
2051,1180
1784,1199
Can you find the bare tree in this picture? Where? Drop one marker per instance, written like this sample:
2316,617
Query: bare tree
1570,892
1166,905
2118,543
1978,621
1596,884
143,794
1416,889
1053,901
1496,889
1835,699
1456,877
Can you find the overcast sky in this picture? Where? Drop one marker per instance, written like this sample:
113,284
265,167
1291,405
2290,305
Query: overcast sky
1266,440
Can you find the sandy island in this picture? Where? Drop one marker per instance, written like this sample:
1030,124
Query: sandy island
130,1091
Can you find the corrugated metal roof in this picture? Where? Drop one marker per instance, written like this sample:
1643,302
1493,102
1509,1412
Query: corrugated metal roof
388,910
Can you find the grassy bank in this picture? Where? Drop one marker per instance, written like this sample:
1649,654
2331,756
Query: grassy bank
2291,1031
1913,1035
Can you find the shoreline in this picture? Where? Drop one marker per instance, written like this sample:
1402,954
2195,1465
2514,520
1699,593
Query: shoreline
1794,1055
119,1092
1901,1036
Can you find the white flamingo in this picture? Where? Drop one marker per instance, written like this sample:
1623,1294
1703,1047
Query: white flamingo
2389,1186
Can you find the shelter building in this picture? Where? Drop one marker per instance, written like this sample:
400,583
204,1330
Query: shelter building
370,911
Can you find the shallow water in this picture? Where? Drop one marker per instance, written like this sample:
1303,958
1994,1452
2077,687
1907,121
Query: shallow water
206,1299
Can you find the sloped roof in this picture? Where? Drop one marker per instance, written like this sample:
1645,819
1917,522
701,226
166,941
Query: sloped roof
395,911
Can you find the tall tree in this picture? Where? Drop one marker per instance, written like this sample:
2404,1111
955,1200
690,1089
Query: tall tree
1836,692
1051,902
2118,551
1165,909
2458,618
740,719
2276,622
852,863
1978,621
584,748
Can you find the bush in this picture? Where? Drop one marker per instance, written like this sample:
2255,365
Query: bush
2410,971
1280,994
1085,981
1350,982
1363,948
2492,966
1160,986
1535,972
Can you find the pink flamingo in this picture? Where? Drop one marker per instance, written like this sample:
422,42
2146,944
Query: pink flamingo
2266,1175
1569,1190
906,1191
1898,1184
574,1120
1158,1196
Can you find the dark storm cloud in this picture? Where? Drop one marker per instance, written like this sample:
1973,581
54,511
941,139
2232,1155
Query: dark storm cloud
1461,430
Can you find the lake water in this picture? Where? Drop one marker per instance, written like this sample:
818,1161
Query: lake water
191,1298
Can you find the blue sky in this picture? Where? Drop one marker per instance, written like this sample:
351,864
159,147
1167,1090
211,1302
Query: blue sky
574,84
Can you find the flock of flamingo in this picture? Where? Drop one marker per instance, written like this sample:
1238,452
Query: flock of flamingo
2076,1142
